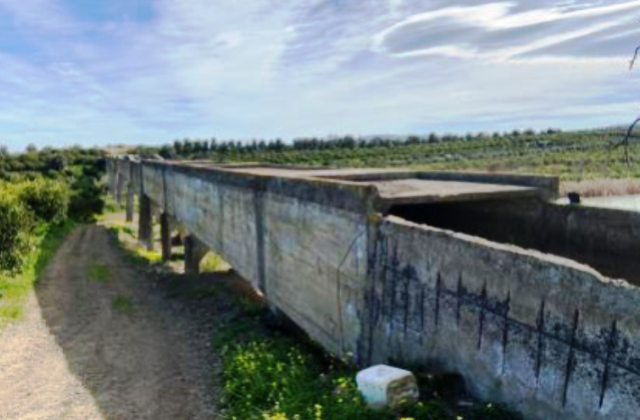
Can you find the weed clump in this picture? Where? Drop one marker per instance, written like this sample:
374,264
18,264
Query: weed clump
276,378
123,304
99,273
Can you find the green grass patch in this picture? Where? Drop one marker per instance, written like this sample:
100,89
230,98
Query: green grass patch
240,329
99,273
270,374
15,288
213,263
129,231
279,379
152,256
122,227
123,304
110,205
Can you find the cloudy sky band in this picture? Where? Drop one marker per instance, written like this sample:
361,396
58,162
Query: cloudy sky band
150,71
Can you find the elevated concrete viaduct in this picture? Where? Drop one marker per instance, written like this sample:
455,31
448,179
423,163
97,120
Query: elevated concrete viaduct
479,274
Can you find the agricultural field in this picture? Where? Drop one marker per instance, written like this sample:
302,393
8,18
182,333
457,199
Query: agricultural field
573,156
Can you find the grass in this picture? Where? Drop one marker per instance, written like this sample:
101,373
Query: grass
126,235
122,227
110,205
153,256
213,263
99,273
572,156
14,289
602,187
277,376
123,304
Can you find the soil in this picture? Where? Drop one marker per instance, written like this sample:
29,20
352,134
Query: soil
77,356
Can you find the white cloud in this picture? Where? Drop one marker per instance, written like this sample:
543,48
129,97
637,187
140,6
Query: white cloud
266,69
466,29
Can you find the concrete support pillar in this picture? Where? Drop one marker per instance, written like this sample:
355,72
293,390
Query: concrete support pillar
194,252
119,187
145,223
165,234
130,198
114,182
110,174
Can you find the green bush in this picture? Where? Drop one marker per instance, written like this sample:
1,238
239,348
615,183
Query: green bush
47,199
16,227
86,200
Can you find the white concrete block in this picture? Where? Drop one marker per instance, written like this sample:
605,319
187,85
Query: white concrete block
386,386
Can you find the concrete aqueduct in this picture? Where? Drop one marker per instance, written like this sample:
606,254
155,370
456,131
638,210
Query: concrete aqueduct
480,274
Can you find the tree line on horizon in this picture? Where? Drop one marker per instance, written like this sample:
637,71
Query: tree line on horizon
188,148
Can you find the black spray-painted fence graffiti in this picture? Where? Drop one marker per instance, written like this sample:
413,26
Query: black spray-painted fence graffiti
412,307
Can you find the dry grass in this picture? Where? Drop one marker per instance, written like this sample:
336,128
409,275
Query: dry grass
602,187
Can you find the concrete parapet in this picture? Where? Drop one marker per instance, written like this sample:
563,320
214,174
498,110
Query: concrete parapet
549,336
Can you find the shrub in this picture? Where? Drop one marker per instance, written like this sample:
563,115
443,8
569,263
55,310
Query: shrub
86,200
16,227
47,199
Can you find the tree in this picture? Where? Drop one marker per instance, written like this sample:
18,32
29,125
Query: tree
166,152
187,147
56,163
177,146
625,141
32,148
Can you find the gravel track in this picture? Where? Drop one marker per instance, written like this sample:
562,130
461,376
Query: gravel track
75,356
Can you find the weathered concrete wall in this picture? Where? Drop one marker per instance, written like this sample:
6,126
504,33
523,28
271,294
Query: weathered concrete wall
550,336
547,335
605,239
608,237
303,254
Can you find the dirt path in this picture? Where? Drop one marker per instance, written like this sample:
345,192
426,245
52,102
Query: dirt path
76,356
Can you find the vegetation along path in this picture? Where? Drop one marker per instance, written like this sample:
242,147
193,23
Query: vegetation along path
100,341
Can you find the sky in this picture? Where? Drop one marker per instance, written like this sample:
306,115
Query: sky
98,72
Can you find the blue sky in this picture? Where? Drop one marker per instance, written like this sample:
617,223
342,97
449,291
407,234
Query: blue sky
150,71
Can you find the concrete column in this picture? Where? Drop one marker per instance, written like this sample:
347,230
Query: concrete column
165,233
130,198
110,175
114,182
194,252
145,223
119,187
